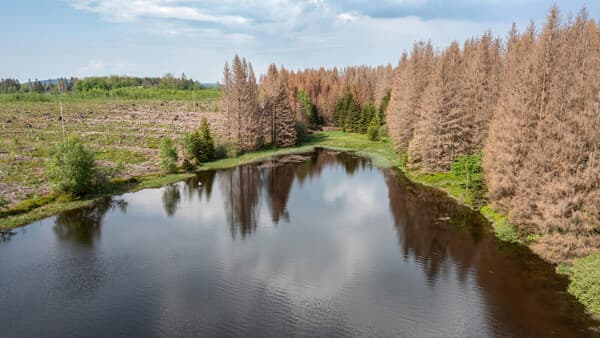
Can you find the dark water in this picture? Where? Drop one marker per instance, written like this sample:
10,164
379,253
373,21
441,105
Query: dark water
324,245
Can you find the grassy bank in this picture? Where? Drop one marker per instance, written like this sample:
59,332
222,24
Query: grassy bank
584,274
36,208
125,93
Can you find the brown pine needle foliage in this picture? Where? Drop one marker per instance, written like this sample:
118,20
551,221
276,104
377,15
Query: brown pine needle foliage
279,120
411,79
556,190
441,133
240,104
326,86
532,104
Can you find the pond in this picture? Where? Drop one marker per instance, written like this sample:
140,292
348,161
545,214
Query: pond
322,244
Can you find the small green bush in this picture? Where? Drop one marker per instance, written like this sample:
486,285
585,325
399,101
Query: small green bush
188,165
71,167
368,116
504,230
301,131
585,282
383,131
467,169
104,175
206,150
227,149
168,156
191,145
199,145
403,159
3,202
373,129
308,108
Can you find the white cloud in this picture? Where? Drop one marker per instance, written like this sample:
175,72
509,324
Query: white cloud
124,10
347,17
296,33
92,66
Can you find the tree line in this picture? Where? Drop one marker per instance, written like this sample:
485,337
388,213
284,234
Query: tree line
531,104
97,83
278,108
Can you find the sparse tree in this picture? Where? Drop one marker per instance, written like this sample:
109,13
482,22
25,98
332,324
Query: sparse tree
240,104
167,156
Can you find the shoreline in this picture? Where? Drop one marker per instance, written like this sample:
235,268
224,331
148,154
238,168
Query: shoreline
381,153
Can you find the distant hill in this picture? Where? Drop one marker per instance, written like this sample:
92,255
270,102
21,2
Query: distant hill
209,85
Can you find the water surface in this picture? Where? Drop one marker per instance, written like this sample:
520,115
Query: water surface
317,245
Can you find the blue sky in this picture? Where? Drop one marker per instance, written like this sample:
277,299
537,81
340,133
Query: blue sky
51,38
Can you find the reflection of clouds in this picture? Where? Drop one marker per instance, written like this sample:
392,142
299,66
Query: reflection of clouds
360,198
335,256
335,263
335,267
192,212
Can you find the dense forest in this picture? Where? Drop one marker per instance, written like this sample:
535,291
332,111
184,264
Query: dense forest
529,103
268,111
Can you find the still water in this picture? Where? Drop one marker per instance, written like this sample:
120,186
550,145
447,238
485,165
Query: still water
315,245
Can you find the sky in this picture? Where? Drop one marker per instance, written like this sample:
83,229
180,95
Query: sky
47,39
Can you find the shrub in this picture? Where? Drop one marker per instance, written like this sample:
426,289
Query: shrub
368,114
227,150
504,230
206,150
467,169
301,131
102,180
383,131
3,202
373,129
199,145
307,108
191,145
71,167
403,159
168,156
187,165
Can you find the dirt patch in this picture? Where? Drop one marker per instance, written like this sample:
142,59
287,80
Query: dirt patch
14,193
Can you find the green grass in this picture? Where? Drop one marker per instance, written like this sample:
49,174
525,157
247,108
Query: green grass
120,155
127,93
446,181
41,212
504,230
37,208
382,154
585,281
464,182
